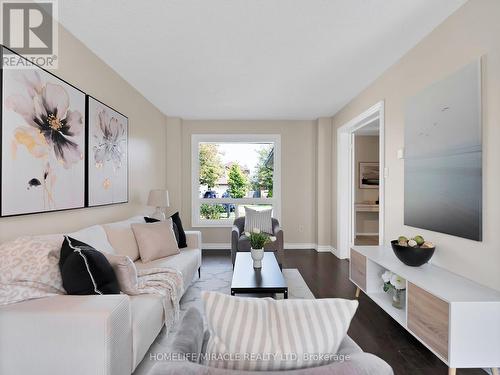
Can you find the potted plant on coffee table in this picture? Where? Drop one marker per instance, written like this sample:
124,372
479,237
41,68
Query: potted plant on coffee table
258,240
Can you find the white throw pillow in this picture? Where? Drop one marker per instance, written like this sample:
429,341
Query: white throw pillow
125,271
258,219
268,334
96,237
155,240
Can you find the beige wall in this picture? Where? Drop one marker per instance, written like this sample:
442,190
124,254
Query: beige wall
324,172
147,167
366,149
471,32
298,172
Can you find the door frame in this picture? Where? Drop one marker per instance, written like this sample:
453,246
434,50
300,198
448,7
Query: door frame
346,174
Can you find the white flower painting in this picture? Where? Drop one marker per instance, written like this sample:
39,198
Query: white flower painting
43,143
108,155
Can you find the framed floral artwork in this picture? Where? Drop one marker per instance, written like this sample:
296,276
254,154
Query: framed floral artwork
107,163
42,141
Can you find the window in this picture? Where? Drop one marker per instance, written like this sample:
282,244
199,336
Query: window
231,172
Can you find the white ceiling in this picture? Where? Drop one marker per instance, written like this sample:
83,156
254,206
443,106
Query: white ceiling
243,59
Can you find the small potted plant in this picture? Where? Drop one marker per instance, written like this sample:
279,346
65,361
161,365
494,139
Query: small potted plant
258,240
397,285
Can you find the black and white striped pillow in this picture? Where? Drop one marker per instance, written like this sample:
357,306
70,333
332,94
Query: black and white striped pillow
261,220
268,334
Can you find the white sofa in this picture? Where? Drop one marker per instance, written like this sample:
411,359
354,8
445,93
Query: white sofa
89,335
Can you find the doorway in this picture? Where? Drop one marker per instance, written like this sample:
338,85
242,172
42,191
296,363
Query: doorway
366,181
360,181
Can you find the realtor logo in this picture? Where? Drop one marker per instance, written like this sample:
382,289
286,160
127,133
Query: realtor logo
29,28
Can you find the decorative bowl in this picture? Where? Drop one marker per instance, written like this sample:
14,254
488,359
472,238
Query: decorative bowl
412,256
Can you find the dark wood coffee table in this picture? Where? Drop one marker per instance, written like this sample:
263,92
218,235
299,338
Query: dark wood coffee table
267,280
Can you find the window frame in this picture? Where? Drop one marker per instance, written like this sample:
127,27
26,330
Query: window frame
196,201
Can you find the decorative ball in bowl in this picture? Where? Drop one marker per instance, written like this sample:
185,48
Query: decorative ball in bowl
414,252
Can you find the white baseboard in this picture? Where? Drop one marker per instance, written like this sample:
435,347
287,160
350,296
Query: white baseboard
324,249
288,246
216,246
299,246
337,254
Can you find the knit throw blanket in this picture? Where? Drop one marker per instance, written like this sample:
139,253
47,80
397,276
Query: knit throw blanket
165,282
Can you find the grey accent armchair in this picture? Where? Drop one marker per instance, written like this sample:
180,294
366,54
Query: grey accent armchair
240,242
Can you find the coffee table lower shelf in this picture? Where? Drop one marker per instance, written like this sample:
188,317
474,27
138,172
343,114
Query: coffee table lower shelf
235,291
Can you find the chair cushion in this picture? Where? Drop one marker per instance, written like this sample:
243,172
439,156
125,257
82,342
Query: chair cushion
244,244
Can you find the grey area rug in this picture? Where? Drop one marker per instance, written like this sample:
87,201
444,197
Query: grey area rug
215,278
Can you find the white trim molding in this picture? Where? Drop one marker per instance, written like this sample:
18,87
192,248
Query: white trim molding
299,246
325,249
216,246
196,201
288,246
345,173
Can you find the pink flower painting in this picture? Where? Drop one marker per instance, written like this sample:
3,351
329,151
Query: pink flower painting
43,143
107,165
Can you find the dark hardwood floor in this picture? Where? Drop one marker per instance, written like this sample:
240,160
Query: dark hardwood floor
373,330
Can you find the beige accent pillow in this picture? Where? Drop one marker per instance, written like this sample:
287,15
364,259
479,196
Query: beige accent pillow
122,238
155,240
125,272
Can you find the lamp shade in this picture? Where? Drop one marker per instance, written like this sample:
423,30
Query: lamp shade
158,198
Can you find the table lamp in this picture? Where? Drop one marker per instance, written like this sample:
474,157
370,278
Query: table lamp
158,198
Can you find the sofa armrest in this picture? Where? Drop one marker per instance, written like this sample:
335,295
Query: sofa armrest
67,335
193,239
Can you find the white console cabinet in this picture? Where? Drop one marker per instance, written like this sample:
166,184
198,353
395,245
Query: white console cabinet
456,318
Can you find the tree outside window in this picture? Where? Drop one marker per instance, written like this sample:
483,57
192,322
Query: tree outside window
232,176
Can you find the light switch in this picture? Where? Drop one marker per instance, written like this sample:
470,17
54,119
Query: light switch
386,172
401,153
